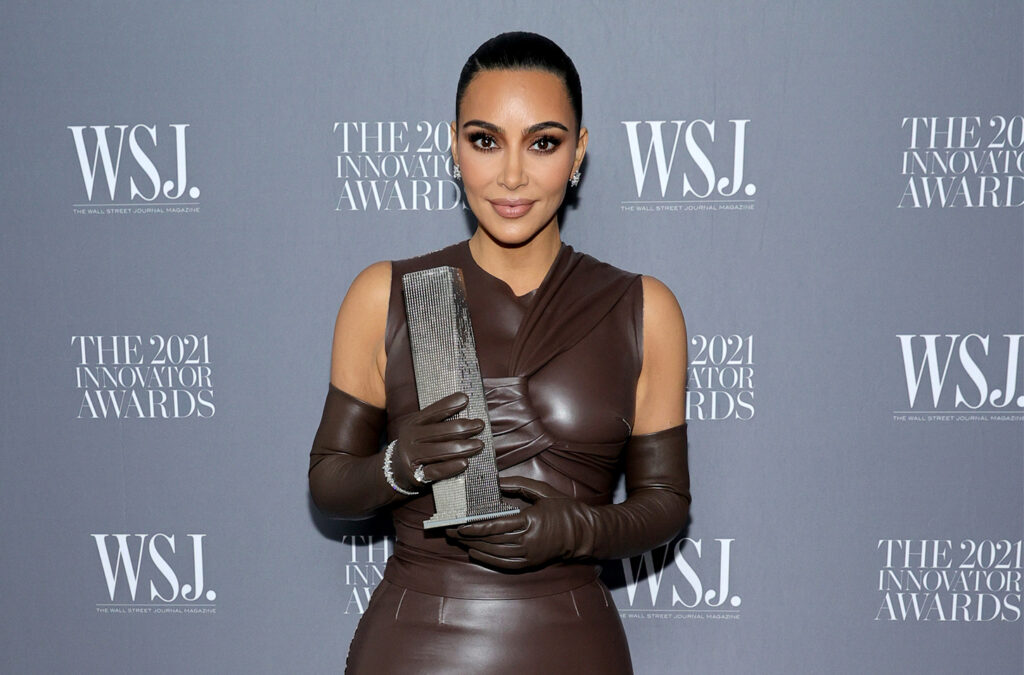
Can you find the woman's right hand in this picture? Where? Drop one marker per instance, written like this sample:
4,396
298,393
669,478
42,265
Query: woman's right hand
440,445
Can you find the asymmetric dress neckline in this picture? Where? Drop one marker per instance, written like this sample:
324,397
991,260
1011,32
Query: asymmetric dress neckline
525,297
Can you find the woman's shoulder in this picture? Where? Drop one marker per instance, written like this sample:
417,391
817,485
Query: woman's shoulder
658,296
372,285
663,317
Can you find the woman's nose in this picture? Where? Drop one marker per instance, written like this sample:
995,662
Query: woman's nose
513,175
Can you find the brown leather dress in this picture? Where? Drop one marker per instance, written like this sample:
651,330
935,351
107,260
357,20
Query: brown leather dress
560,367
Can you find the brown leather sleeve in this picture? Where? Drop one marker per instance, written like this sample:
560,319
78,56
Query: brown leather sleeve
556,526
346,478
657,505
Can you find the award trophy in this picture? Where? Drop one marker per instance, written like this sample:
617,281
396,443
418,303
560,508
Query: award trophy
445,361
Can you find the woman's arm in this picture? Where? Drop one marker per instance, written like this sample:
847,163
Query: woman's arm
345,475
357,355
661,388
346,469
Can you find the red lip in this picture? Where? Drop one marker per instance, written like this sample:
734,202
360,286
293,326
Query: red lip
511,208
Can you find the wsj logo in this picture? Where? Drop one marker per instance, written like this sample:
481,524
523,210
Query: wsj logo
697,165
158,559
687,576
971,376
104,161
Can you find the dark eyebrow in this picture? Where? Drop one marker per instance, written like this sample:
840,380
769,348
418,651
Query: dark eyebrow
532,129
486,125
545,125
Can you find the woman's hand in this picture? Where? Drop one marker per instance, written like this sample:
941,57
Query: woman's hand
546,530
346,479
440,445
557,527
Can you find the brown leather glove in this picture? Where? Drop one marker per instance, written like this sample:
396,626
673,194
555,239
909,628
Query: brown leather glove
440,445
558,527
346,476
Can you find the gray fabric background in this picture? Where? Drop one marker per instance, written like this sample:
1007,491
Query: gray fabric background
819,271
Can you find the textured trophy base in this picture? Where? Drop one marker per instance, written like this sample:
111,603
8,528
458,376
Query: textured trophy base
445,361
435,521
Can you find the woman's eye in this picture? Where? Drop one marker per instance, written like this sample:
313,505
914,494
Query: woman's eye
545,144
483,141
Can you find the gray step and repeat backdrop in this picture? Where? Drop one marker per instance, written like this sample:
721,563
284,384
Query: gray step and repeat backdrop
833,192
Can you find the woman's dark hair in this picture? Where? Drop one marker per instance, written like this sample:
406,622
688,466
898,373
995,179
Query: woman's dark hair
523,51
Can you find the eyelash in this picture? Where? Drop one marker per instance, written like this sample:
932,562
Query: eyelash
477,136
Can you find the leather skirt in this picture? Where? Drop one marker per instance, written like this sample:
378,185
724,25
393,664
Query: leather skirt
406,632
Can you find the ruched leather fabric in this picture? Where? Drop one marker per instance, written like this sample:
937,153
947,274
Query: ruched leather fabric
560,366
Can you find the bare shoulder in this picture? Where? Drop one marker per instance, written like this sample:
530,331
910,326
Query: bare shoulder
372,284
358,350
661,309
661,389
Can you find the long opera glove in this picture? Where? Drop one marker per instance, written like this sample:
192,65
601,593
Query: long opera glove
346,474
346,479
557,527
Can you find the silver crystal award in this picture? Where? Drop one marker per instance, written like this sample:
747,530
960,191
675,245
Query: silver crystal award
444,361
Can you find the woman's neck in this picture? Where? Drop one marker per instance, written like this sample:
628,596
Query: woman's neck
523,266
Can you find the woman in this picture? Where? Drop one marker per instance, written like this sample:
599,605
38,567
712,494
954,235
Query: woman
584,372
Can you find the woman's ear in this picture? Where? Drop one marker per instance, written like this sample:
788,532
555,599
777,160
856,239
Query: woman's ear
455,142
581,149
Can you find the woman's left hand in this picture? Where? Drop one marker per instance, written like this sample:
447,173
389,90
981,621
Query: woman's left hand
546,530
